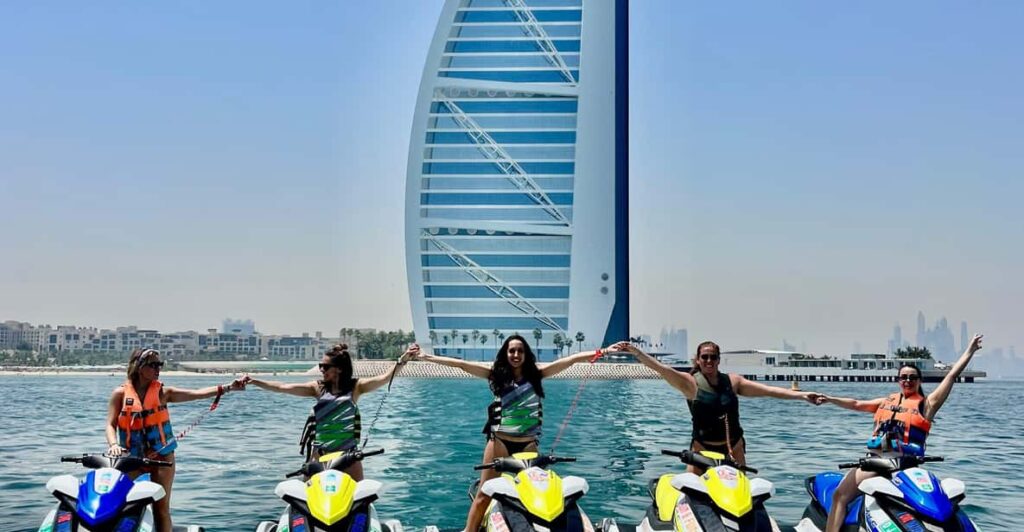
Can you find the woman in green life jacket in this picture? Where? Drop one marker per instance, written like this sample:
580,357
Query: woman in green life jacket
713,398
334,424
514,418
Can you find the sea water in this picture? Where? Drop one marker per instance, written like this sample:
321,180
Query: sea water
229,464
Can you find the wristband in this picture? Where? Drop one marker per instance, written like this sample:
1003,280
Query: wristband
220,389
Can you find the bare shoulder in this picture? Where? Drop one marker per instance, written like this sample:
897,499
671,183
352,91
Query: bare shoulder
118,392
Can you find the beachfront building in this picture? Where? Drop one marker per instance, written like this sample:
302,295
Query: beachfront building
516,195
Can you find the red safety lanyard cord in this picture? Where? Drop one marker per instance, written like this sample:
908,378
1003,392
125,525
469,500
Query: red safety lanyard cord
572,406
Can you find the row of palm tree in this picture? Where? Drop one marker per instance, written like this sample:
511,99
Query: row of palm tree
560,342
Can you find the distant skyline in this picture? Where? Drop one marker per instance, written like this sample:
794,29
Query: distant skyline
815,173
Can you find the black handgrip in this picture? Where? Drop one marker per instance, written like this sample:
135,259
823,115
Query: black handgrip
563,458
849,465
750,470
478,467
75,459
932,459
293,474
373,453
676,454
158,463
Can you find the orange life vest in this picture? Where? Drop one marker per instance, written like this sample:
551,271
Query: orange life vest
900,417
147,419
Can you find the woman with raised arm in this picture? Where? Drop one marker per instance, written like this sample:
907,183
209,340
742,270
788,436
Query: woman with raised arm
334,423
514,418
902,422
712,397
139,424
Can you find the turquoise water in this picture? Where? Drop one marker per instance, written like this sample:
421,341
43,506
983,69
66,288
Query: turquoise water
228,466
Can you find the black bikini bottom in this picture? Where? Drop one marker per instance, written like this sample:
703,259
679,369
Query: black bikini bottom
515,446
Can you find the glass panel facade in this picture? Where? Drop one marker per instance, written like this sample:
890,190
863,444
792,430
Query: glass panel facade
499,157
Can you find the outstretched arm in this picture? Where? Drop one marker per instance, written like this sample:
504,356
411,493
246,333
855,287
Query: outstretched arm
113,409
749,388
854,404
473,368
682,381
372,383
562,364
301,389
938,397
181,395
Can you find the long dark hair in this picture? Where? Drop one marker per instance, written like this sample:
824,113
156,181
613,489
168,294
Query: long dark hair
502,376
341,359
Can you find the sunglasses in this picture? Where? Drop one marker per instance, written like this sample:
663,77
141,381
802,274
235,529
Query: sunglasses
709,358
910,378
154,365
325,367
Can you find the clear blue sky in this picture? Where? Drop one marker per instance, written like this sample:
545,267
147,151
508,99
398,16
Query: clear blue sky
809,171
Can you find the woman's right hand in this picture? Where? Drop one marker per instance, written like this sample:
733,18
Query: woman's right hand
623,347
116,450
411,353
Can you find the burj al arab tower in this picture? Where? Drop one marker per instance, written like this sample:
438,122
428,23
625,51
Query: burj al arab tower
517,195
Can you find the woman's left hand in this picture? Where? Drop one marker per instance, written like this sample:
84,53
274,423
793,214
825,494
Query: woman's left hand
239,383
815,398
411,353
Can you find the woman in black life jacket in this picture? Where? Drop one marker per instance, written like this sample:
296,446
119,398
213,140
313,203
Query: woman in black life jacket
713,398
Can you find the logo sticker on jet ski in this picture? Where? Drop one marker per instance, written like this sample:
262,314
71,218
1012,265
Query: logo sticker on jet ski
330,482
728,476
921,480
105,482
498,523
685,520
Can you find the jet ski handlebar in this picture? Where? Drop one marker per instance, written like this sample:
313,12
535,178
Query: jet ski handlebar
123,464
514,465
340,463
696,459
878,464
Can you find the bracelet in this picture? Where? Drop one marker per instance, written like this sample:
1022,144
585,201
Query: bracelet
220,389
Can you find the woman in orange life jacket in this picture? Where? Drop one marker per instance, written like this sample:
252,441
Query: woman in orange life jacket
138,422
515,417
902,423
334,425
712,397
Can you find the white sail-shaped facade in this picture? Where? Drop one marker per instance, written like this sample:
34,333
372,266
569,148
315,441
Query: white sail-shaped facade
517,192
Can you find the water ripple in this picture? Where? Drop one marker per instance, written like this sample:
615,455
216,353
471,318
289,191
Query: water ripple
230,463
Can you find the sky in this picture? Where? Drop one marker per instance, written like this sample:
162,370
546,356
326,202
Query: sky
808,171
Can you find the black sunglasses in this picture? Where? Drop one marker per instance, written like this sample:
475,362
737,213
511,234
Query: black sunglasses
709,358
155,365
325,367
910,377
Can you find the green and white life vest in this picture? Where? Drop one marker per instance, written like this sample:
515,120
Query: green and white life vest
333,425
517,412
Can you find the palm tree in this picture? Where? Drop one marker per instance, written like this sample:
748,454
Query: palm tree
476,336
495,332
580,338
559,342
433,337
537,335
483,341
